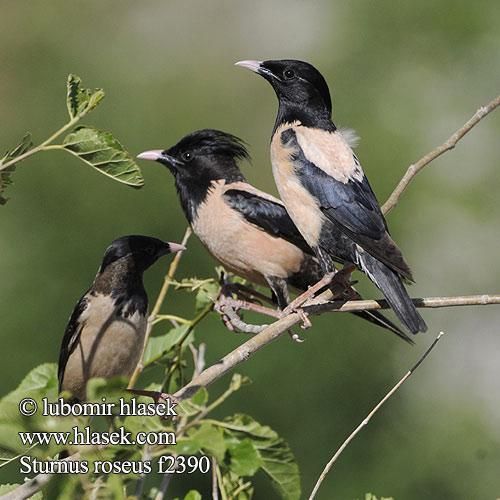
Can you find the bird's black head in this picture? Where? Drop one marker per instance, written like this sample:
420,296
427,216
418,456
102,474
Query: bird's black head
198,159
134,253
302,91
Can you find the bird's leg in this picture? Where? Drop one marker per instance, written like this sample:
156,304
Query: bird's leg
280,290
343,278
294,306
229,307
233,322
247,306
244,292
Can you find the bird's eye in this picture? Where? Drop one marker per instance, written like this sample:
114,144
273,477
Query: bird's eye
289,74
187,156
150,249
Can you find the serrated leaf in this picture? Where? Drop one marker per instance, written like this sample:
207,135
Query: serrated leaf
5,180
103,152
279,464
80,100
158,346
211,440
245,460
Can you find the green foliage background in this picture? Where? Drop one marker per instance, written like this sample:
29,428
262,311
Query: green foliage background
405,76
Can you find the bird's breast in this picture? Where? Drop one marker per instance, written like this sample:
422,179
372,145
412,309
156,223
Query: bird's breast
301,205
240,246
109,345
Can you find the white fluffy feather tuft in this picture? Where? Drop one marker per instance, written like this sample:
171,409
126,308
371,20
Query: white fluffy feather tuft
350,136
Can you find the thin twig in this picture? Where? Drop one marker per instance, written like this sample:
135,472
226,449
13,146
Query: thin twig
427,302
367,419
215,490
156,309
165,482
414,169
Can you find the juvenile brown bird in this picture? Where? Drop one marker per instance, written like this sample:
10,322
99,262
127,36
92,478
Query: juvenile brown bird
324,189
105,333
247,230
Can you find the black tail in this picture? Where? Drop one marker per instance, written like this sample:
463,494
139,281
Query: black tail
379,319
311,273
394,291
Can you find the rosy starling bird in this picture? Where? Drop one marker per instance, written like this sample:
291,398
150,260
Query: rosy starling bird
247,230
324,189
105,333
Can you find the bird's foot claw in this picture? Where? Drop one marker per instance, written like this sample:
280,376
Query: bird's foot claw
295,337
306,322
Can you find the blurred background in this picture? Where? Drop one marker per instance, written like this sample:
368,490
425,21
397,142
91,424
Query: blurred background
405,76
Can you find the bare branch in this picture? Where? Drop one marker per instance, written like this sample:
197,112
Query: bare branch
367,419
429,302
414,169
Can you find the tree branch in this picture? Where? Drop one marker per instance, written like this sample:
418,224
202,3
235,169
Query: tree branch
367,419
318,306
428,302
414,169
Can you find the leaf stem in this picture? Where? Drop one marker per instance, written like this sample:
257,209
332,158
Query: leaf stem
45,144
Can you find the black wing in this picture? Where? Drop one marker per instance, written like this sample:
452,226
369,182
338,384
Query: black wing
351,206
267,215
71,336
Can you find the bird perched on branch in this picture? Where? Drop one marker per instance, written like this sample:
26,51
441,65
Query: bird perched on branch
247,230
105,333
324,189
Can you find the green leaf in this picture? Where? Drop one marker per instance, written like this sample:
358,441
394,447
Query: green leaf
206,294
112,389
103,152
232,483
186,446
158,346
239,380
81,101
38,382
192,495
370,496
194,404
279,464
245,460
5,180
211,440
